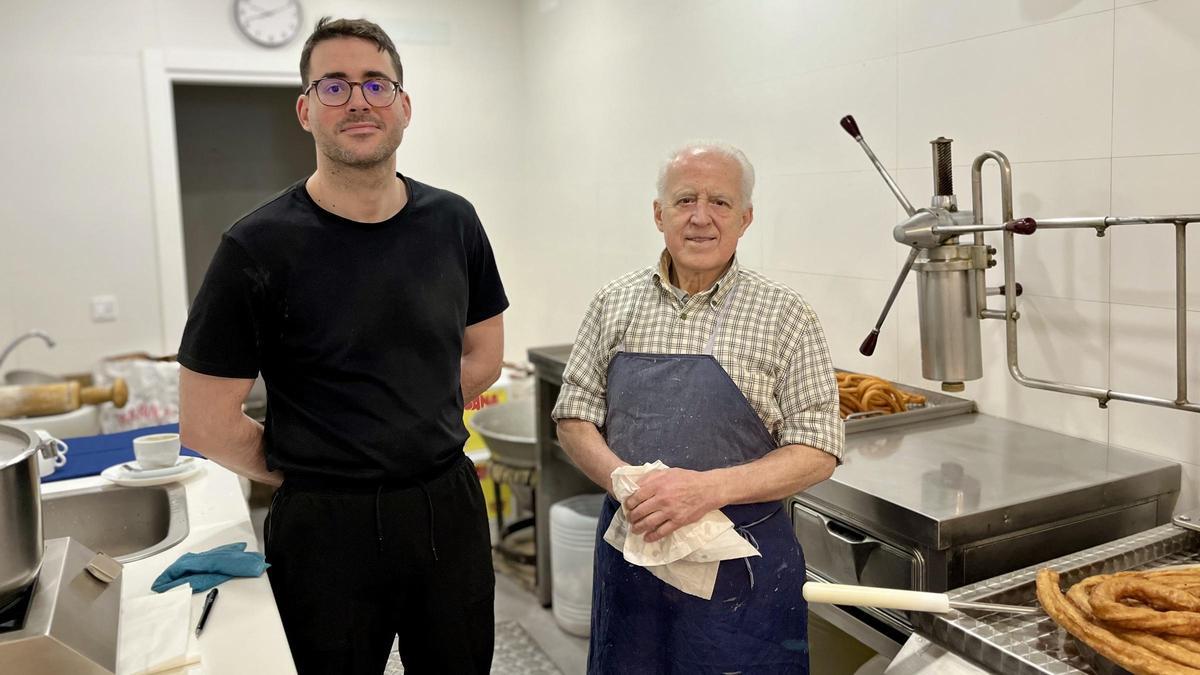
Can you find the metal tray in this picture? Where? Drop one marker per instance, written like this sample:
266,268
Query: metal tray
1034,644
937,405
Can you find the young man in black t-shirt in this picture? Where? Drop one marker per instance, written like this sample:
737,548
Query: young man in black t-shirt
372,307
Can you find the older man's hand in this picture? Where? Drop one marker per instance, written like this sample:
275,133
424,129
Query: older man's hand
667,500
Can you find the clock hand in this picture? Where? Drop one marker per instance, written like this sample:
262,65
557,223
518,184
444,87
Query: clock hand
269,12
251,7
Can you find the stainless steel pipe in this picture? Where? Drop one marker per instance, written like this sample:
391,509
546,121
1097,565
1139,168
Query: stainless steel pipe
1181,384
1103,396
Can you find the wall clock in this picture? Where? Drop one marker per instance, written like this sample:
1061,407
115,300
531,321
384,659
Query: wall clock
270,23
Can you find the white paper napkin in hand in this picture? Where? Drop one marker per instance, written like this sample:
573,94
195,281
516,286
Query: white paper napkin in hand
689,557
156,632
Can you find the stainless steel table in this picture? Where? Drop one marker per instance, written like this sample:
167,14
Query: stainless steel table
941,504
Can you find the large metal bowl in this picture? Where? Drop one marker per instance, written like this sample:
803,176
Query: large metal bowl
510,432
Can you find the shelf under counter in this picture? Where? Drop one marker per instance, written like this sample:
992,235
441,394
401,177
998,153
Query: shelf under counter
558,477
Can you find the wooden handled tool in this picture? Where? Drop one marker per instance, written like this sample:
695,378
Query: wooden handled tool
60,397
913,601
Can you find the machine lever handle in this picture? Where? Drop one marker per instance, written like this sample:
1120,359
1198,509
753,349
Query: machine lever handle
868,346
851,127
1021,226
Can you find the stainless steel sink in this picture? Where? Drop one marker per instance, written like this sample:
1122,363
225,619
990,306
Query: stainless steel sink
127,523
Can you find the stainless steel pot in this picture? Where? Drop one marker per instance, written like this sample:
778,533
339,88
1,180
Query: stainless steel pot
20,512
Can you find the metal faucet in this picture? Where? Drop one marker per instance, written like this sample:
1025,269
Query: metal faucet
21,338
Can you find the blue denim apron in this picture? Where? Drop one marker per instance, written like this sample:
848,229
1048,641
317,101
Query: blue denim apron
685,410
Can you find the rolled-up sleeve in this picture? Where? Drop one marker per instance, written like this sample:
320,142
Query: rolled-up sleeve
807,388
582,395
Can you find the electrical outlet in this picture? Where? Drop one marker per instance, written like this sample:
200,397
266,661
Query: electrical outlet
104,308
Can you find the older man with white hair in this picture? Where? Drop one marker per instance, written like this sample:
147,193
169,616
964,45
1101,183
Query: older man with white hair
724,376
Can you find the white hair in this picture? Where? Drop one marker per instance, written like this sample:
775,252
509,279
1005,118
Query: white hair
719,148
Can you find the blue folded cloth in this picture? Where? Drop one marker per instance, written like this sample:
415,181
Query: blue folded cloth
216,566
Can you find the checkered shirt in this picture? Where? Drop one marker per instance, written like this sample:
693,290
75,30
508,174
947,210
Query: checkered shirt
771,344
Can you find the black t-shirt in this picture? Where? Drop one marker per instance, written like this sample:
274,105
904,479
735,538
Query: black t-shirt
357,329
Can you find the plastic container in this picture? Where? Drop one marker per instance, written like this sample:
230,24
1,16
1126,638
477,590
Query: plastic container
572,545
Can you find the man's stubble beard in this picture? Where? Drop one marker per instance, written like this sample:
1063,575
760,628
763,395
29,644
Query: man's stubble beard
383,152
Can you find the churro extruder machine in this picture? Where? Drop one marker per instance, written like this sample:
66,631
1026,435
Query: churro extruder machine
951,291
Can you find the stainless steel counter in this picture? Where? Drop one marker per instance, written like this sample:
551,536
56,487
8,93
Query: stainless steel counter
937,505
973,477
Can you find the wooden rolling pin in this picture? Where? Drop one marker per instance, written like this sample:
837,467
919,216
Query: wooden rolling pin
34,400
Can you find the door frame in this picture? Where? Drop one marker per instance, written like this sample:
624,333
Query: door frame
161,70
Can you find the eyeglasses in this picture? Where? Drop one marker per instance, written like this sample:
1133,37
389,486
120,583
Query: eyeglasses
334,91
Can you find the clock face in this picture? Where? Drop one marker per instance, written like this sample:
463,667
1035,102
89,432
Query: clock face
270,23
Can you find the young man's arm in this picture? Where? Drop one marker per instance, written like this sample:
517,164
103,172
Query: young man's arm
212,423
483,351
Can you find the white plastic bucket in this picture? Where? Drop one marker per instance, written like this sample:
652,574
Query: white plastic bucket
572,544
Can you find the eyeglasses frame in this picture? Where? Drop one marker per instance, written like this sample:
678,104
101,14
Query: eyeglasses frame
395,94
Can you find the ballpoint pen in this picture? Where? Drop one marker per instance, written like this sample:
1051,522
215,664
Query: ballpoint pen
208,603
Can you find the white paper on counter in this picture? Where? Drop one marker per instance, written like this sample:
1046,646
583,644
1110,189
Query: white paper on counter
159,630
689,557
919,656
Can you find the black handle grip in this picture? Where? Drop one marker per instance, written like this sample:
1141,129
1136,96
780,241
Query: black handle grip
1022,226
1017,289
867,347
851,127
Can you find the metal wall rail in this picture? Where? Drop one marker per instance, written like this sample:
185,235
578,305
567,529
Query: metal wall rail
1100,225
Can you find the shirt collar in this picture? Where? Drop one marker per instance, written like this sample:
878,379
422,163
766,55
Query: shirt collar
662,274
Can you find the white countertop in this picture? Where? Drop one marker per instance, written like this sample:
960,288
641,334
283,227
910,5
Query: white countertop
243,634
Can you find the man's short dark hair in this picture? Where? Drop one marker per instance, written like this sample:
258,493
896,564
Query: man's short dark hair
328,28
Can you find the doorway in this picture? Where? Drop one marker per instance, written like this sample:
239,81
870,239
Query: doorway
237,147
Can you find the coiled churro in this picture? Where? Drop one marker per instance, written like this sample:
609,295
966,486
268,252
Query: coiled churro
1143,621
859,393
1135,655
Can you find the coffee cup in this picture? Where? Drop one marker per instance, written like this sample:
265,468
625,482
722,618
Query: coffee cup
156,451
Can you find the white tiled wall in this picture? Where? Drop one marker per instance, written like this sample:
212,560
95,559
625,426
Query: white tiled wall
1092,100
1038,93
1157,65
927,23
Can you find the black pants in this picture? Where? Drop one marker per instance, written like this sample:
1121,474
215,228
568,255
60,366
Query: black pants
354,566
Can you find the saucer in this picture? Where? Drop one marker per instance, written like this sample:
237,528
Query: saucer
185,467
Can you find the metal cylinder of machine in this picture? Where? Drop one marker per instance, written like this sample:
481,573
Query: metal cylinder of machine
949,315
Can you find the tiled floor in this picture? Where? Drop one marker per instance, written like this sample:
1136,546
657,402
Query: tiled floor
513,604
515,654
